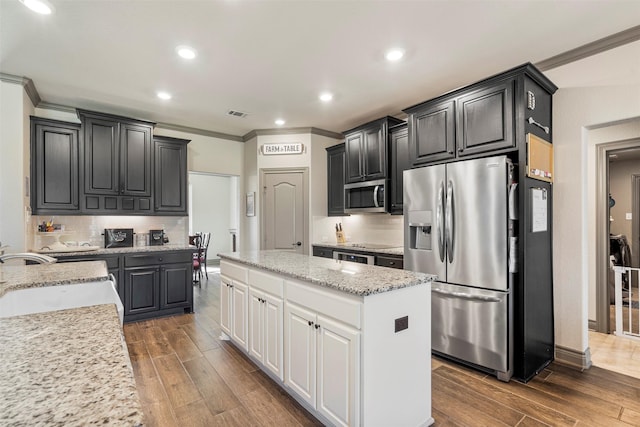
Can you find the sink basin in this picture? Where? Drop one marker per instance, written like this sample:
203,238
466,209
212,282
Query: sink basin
61,297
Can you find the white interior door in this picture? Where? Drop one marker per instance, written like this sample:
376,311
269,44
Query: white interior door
284,211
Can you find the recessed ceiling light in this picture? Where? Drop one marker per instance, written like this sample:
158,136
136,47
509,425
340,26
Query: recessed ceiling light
394,55
186,52
164,95
42,7
279,122
326,97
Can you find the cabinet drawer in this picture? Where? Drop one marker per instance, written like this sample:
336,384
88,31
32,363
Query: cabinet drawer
157,258
323,252
267,282
234,271
112,262
330,304
390,262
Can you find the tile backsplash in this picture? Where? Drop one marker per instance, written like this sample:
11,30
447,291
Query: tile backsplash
370,228
89,228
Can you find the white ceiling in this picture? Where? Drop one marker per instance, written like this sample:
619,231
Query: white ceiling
272,58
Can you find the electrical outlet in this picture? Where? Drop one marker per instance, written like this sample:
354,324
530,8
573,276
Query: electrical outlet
628,216
402,323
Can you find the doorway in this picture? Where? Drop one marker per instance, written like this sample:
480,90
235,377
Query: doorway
285,204
213,208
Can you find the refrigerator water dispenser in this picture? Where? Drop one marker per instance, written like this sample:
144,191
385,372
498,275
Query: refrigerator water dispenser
420,230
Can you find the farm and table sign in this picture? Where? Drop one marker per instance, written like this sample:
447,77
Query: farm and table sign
282,148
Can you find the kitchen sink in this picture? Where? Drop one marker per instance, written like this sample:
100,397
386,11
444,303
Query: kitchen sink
61,297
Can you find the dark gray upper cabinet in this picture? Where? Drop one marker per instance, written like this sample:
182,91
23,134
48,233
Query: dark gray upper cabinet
432,133
366,150
54,166
170,180
117,164
335,180
486,117
399,162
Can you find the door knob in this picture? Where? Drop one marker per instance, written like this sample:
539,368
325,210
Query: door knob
297,244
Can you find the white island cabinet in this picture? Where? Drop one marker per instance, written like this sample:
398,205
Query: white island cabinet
350,342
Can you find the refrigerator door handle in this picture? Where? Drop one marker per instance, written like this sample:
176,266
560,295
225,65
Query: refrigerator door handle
440,222
449,226
466,296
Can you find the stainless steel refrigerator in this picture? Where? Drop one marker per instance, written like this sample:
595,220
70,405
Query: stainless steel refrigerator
458,225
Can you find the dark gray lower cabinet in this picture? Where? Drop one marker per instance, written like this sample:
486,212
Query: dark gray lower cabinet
142,290
157,284
176,285
150,284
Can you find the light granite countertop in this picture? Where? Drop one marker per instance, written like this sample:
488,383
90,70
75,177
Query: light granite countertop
345,276
112,251
67,367
356,247
13,277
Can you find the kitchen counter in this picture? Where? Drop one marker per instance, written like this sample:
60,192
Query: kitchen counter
349,277
67,367
13,277
110,251
355,247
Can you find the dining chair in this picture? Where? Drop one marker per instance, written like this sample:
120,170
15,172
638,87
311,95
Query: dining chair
206,237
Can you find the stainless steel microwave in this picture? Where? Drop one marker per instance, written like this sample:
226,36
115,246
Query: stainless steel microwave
366,197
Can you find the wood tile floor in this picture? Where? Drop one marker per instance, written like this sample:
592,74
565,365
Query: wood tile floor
186,376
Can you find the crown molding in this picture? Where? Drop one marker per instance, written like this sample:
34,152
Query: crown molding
26,83
57,107
610,42
291,131
203,132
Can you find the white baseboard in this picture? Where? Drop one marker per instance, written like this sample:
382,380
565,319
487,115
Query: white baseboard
572,358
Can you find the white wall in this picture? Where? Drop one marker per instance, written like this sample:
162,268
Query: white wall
574,110
249,238
210,210
314,158
15,108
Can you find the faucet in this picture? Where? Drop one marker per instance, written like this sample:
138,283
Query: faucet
29,256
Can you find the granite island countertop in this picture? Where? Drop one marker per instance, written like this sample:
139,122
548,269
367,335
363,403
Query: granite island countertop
127,250
356,247
67,367
13,277
345,276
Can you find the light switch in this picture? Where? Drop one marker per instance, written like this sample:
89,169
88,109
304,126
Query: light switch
628,216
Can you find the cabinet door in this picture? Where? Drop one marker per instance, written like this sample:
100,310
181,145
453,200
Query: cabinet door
374,150
301,352
142,288
240,314
353,157
432,133
338,372
54,166
256,324
135,160
225,304
485,119
335,180
170,180
399,149
177,286
273,334
101,159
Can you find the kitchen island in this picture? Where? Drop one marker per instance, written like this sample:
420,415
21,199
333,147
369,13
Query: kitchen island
66,367
350,342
